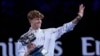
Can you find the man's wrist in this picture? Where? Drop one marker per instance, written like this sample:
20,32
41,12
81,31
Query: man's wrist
79,17
80,14
26,54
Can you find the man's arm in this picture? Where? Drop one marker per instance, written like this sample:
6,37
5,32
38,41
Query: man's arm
30,47
70,25
80,14
20,49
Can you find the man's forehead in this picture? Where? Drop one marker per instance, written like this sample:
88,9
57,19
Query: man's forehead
38,18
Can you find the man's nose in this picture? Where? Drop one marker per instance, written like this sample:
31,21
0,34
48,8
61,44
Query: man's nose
39,21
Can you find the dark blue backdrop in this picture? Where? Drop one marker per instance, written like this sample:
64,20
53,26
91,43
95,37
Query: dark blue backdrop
13,20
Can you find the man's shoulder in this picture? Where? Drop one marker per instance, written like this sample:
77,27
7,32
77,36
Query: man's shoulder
23,34
48,29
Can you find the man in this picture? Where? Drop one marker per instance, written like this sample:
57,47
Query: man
46,37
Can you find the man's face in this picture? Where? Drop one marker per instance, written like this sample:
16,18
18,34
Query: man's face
36,23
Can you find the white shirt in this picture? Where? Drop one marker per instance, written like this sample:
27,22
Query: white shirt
47,38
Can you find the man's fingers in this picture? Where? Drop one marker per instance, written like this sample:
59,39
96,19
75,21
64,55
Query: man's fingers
82,6
30,45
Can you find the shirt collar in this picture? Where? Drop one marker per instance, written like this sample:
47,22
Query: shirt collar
34,31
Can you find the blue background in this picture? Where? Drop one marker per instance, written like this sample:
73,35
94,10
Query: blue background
13,20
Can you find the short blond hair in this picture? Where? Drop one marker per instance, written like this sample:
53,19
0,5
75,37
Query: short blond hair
34,14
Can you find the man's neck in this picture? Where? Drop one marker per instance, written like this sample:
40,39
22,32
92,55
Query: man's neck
35,28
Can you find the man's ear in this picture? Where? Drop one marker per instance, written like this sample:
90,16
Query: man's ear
30,21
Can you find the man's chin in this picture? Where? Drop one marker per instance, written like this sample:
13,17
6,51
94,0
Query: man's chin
38,27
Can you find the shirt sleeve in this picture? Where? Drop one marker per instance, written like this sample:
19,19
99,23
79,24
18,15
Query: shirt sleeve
63,29
20,49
